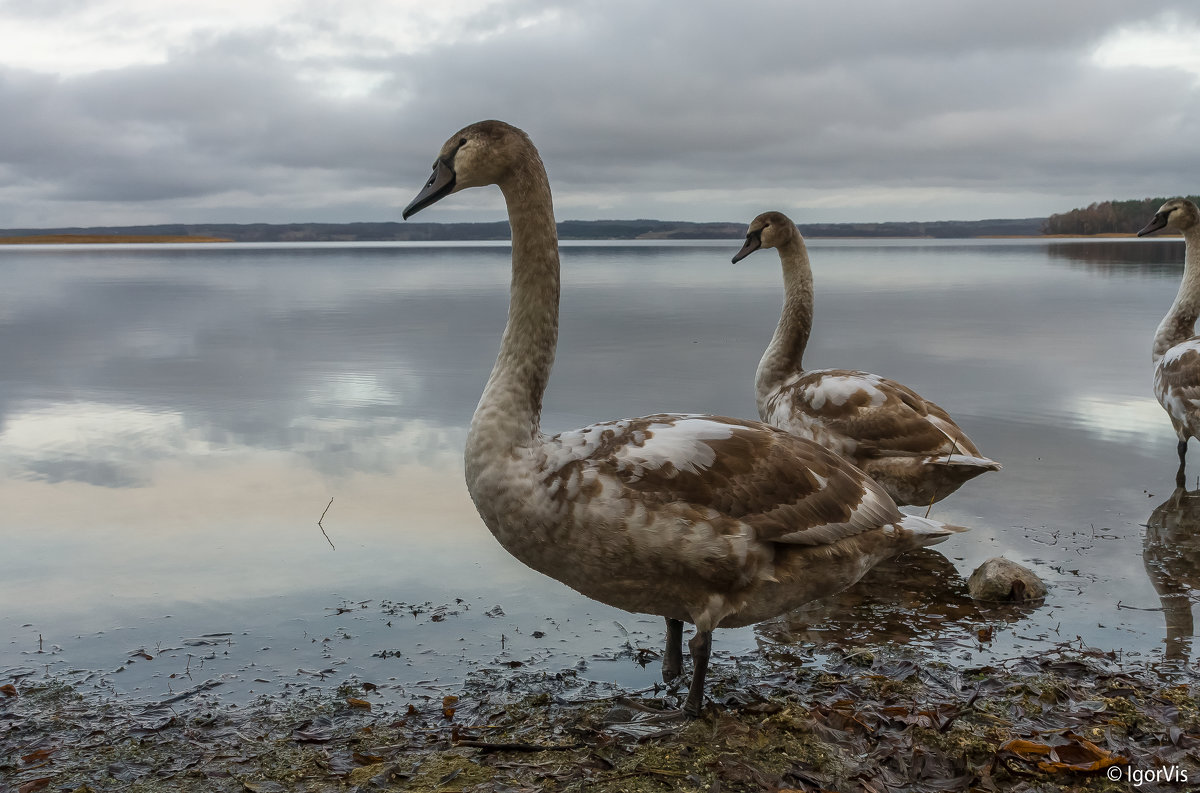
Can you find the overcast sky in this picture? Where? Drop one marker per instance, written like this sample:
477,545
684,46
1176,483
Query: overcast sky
143,111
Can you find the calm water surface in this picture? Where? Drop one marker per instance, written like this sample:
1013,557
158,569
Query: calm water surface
174,420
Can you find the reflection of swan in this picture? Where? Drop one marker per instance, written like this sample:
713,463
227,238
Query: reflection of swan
1171,553
1176,350
919,594
711,520
905,442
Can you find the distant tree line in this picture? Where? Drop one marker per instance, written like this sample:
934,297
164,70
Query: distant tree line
1106,217
641,229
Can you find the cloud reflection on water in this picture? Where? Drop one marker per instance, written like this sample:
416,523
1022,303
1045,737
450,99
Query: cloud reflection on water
173,422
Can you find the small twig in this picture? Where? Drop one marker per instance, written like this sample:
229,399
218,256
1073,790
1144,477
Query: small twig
489,746
331,545
968,705
1121,605
640,771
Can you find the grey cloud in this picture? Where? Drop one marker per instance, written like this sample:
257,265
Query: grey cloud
625,99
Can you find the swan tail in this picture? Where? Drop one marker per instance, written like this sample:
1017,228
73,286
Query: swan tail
923,531
965,462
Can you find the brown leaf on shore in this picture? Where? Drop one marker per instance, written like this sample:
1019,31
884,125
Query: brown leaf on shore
355,702
448,703
8,690
38,756
1074,754
34,784
314,731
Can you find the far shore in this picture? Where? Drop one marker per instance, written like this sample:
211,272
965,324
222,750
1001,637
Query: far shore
79,239
91,239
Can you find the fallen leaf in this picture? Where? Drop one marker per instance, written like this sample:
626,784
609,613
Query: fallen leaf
1076,754
34,784
354,702
264,786
38,755
8,690
448,703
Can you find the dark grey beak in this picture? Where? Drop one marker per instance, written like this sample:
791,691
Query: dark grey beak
1159,221
753,243
438,187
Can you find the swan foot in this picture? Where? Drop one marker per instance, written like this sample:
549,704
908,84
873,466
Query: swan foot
700,647
672,665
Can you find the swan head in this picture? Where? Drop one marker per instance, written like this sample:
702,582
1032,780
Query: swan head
477,155
768,230
1178,213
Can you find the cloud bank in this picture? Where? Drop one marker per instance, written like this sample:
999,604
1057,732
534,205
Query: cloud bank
137,112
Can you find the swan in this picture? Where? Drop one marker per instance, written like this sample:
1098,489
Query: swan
903,441
1176,351
703,519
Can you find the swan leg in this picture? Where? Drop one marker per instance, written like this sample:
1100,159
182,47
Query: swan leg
672,665
700,647
1179,475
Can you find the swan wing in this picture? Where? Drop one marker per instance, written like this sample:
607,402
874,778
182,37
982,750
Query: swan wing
880,415
725,470
1177,381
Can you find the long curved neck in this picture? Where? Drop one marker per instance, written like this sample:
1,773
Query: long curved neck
509,412
1180,322
785,354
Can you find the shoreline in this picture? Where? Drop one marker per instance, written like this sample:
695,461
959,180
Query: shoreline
1071,719
115,239
89,239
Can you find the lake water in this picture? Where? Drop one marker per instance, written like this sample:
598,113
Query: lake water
174,420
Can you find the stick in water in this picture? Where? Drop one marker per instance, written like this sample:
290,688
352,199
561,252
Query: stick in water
331,545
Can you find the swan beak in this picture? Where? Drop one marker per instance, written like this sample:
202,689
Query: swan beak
1159,221
753,243
440,185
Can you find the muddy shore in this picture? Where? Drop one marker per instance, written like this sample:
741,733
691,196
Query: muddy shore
1075,718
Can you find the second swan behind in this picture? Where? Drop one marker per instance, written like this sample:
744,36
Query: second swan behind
906,443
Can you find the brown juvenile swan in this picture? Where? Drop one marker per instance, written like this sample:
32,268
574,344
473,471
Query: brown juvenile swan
1176,351
702,519
906,443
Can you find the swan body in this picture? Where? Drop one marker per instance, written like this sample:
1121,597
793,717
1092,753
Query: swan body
710,520
1176,351
908,444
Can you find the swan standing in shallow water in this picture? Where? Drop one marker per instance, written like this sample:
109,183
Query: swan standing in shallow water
906,443
1176,350
709,520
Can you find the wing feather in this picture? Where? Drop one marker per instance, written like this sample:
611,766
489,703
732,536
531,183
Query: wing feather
1177,384
882,416
733,473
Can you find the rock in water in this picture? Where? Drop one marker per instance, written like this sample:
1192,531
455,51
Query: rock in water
999,579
